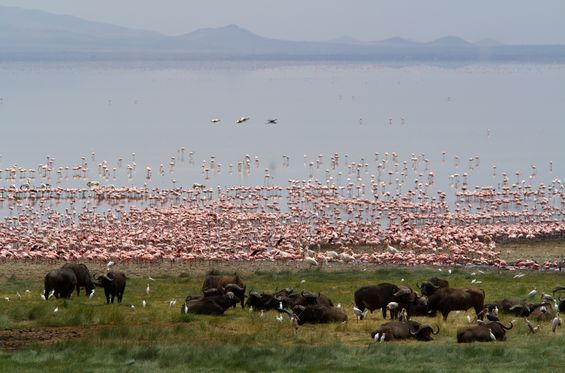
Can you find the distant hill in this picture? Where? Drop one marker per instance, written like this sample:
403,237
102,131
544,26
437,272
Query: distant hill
37,35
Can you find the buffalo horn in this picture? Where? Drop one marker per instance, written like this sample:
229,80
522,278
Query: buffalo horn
234,286
230,295
108,278
414,333
504,327
558,288
403,291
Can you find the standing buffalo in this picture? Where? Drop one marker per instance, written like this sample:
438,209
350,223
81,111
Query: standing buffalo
231,283
487,332
446,300
114,284
374,297
83,277
404,330
61,281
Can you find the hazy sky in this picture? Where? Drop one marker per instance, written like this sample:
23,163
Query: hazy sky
509,21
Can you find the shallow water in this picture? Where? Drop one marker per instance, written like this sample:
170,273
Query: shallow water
511,116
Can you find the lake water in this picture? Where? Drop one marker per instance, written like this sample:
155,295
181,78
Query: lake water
511,116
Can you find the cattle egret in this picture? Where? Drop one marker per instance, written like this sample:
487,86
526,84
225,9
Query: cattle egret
439,269
449,270
91,295
151,278
401,280
392,306
262,314
302,281
18,294
555,323
382,339
533,293
294,321
7,299
280,306
520,275
469,319
250,308
492,337
338,305
376,337
132,306
43,296
360,314
530,326
56,310
311,261
279,318
51,293
185,308
27,291
172,302
147,289
144,303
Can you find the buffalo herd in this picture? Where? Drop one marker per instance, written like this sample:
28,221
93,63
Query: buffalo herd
399,302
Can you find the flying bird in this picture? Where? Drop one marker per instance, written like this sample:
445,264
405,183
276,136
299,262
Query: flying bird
215,120
242,120
271,121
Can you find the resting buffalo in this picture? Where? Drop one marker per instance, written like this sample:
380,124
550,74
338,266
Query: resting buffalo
84,279
541,312
114,284
513,306
212,305
262,301
222,282
404,330
319,314
446,300
486,332
61,281
306,299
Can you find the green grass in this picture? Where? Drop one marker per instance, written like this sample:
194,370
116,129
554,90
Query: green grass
119,338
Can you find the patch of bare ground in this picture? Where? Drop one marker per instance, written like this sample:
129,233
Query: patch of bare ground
16,339
539,251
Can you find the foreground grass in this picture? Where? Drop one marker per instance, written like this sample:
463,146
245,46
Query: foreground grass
121,338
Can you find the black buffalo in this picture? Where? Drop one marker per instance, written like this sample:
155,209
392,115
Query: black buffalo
62,282
114,284
487,332
211,305
394,330
223,282
373,297
84,279
319,314
445,300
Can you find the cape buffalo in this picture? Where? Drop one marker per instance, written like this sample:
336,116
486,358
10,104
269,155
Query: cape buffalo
486,332
212,305
374,297
446,300
319,314
114,284
61,281
83,277
222,282
403,330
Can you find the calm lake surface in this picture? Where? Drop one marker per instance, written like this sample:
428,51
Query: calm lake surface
511,116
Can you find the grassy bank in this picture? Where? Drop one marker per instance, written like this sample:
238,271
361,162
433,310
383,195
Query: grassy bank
104,338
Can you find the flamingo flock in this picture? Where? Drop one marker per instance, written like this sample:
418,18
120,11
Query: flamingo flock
383,211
